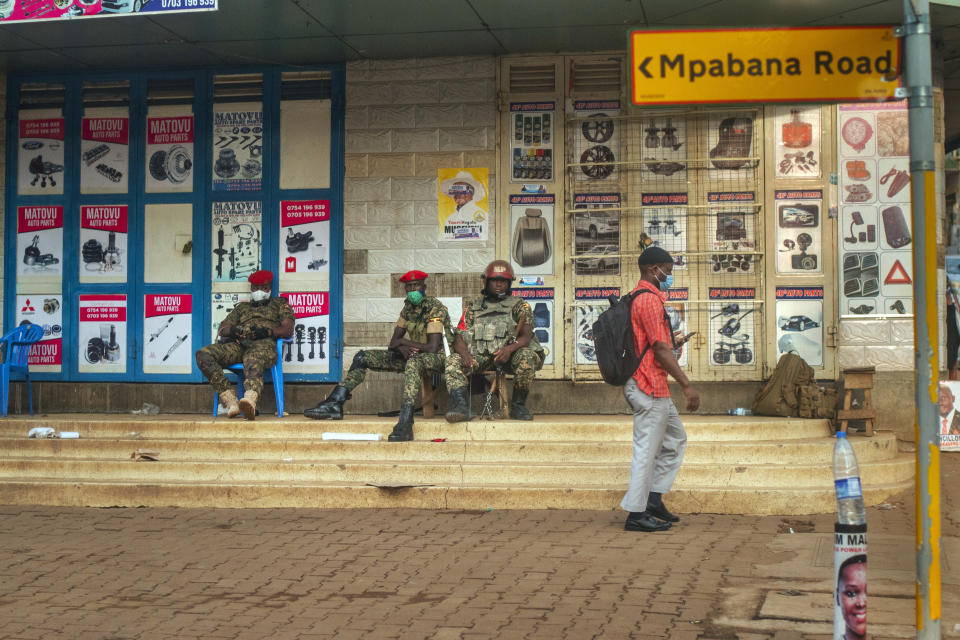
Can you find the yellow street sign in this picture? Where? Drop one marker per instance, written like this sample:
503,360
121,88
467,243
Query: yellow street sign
815,64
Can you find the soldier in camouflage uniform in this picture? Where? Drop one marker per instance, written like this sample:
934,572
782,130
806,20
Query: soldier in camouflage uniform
425,321
496,332
249,335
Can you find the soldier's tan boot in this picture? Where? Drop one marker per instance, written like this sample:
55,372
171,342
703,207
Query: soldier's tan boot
229,400
248,404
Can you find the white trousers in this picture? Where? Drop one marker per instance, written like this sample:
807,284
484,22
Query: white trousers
658,445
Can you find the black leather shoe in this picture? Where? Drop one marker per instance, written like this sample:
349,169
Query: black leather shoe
645,522
662,513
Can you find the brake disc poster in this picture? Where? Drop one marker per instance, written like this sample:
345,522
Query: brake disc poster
47,311
800,323
237,148
40,157
170,154
591,302
237,240
104,155
103,243
799,239
305,241
102,333
531,141
167,342
309,352
541,301
39,244
732,327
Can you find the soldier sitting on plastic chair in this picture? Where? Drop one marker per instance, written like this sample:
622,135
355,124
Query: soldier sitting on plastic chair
249,335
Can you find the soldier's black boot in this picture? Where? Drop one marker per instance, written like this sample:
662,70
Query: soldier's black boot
518,405
332,407
403,430
460,408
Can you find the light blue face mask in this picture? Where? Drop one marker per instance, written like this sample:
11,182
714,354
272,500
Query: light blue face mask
415,297
667,282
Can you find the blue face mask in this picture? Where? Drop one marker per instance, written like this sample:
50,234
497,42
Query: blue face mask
415,297
667,281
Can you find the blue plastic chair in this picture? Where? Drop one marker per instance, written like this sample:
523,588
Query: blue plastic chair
276,376
17,345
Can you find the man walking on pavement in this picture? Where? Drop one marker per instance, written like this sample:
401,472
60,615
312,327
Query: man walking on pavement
658,436
425,321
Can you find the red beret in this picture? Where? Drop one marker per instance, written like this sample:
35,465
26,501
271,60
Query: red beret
260,277
410,276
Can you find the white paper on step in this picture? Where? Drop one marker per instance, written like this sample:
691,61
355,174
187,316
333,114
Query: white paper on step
329,435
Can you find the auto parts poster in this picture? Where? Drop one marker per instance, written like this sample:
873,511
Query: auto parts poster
305,243
541,301
732,231
170,154
531,243
873,146
237,148
104,154
221,306
597,233
237,240
40,157
310,349
463,203
799,214
45,310
676,310
800,323
591,302
531,143
664,218
102,333
665,147
597,140
29,11
732,328
948,420
167,333
797,131
39,245
103,243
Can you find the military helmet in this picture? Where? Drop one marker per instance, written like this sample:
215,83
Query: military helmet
499,269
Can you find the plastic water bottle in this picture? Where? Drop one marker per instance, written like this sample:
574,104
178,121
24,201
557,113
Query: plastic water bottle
846,479
739,411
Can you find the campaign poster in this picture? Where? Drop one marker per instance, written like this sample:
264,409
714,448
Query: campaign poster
732,231
799,215
40,157
948,425
463,203
849,572
597,233
664,224
665,147
221,304
310,350
800,323
39,244
102,333
103,243
170,154
676,310
304,241
732,326
45,310
531,142
237,148
597,140
237,244
104,154
531,224
544,321
167,333
590,303
797,131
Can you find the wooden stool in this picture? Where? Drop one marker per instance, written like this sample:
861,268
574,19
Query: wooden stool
857,379
428,394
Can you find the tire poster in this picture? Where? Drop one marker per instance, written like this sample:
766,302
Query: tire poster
103,243
170,154
167,333
104,155
800,323
310,350
39,244
40,157
46,310
799,216
304,240
597,140
591,302
732,326
102,333
541,301
237,148
237,240
533,128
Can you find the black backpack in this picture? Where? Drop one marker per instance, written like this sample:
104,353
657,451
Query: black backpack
614,341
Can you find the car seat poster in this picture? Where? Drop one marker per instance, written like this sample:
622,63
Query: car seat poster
531,143
103,243
797,129
309,351
597,139
104,154
664,217
676,309
463,203
47,311
305,241
541,301
531,244
948,421
732,229
40,157
69,10
597,227
237,148
39,244
732,326
170,154
237,240
221,306
102,333
800,323
799,246
167,333
591,302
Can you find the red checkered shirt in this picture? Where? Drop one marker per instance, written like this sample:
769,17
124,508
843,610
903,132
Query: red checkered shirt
649,326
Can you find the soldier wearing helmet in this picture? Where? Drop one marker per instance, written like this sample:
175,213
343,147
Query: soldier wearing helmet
495,332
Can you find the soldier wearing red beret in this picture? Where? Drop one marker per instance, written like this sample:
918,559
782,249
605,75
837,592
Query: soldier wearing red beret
424,321
248,334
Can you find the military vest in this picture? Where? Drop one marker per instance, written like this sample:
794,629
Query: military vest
494,326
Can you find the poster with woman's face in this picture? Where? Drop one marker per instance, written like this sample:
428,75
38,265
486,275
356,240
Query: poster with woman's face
850,600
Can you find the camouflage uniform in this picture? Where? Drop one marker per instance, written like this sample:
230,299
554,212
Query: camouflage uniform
487,326
419,321
256,355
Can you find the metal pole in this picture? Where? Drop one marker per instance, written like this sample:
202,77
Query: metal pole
919,88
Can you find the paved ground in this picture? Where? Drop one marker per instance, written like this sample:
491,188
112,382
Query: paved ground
282,573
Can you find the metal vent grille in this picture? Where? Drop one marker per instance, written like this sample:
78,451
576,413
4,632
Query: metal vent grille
170,91
238,88
596,76
305,85
533,78
37,95
106,94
